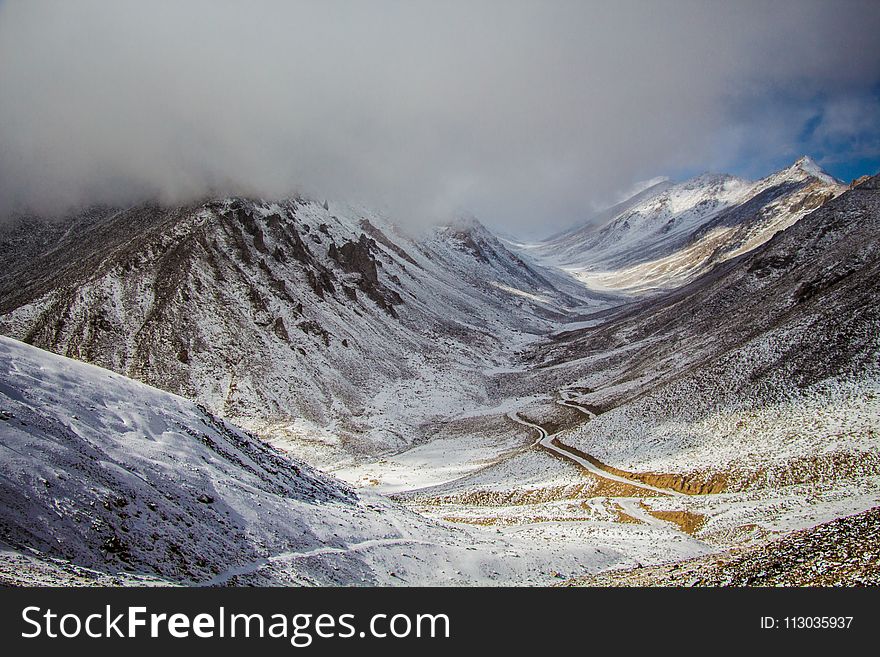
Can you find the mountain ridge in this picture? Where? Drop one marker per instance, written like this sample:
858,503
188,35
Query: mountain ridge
275,312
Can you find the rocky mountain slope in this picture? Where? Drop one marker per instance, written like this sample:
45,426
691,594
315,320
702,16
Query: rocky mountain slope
763,370
290,318
842,552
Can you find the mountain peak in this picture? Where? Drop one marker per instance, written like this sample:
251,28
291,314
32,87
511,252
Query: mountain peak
467,223
807,165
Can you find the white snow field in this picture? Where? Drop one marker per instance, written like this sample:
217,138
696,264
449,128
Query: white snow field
106,480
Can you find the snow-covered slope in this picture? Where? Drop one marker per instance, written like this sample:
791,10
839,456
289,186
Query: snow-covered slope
295,319
668,215
769,363
107,480
572,242
110,473
669,234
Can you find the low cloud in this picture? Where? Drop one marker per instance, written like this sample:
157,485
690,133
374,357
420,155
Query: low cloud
526,114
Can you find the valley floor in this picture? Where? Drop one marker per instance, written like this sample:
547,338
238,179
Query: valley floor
502,475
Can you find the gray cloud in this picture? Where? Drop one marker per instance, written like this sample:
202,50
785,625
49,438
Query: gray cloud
525,113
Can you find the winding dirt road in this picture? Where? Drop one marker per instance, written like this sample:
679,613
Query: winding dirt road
551,443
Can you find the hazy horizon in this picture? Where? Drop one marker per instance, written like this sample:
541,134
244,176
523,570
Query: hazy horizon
527,115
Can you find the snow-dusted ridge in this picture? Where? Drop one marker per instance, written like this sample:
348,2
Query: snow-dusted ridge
669,234
768,359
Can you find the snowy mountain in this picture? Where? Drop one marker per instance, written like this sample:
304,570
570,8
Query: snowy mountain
766,366
528,428
732,411
663,212
579,238
290,318
104,480
668,234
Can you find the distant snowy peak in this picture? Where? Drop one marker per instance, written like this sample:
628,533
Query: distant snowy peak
668,234
473,235
643,186
697,196
808,166
663,214
483,260
803,169
605,216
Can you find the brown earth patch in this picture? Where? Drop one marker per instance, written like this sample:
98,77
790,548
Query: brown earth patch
593,486
489,521
609,488
819,469
509,497
687,521
482,521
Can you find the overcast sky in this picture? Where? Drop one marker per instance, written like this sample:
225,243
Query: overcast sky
528,115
